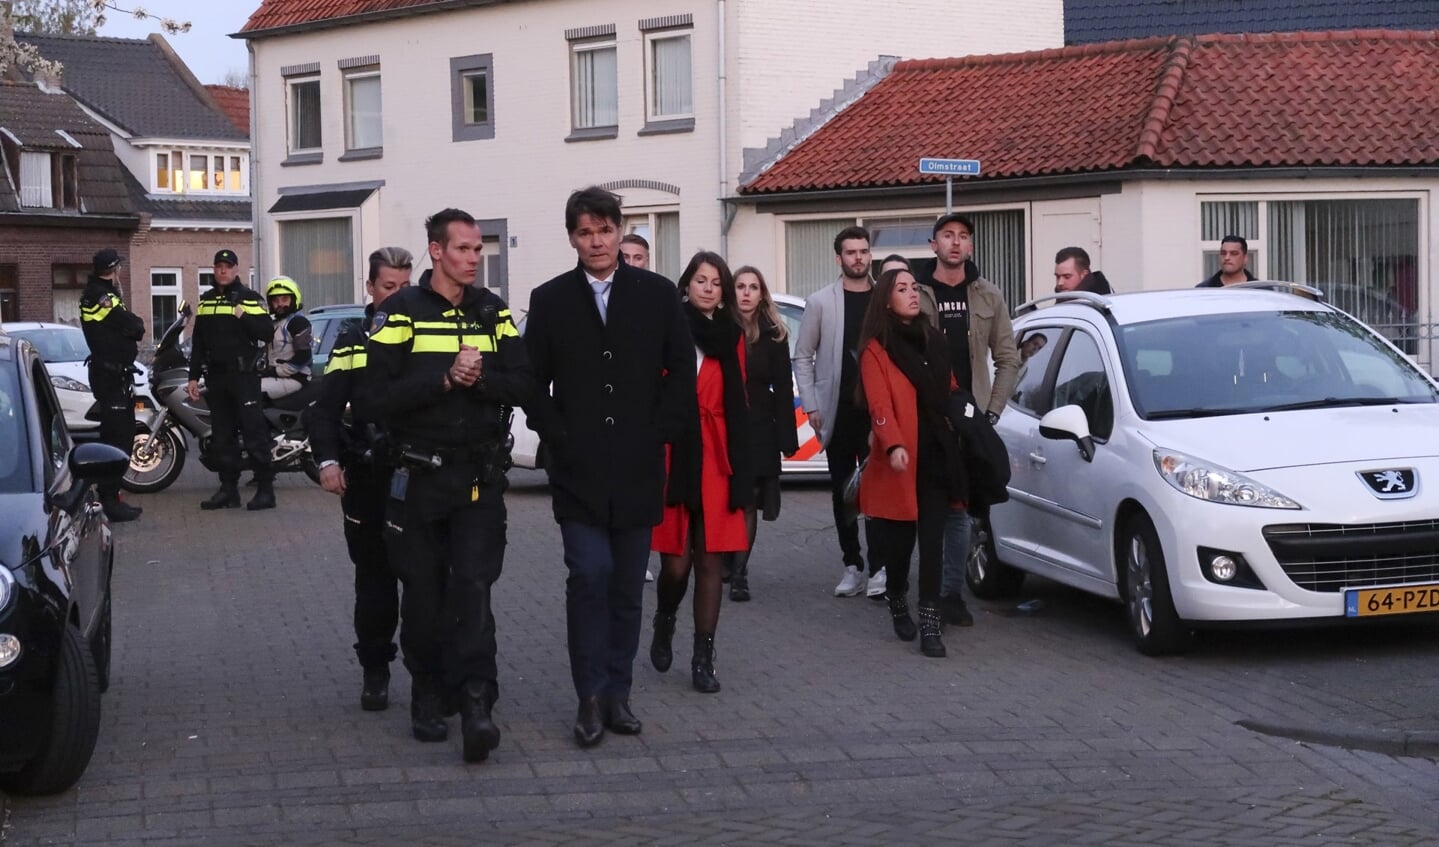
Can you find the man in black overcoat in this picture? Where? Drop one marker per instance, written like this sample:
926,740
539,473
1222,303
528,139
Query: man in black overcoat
615,366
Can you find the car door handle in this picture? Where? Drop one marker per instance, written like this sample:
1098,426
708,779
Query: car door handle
1037,458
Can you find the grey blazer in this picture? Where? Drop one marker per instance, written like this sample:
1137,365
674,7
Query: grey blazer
818,355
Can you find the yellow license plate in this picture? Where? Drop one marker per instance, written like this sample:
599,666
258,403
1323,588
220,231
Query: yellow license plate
1367,602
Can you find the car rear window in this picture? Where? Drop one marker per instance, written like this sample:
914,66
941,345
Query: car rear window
56,344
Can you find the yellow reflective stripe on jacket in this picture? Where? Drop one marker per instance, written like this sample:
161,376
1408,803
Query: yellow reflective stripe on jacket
222,307
395,330
346,359
97,312
450,343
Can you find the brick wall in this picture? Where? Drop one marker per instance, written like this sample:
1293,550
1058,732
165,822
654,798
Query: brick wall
187,252
34,251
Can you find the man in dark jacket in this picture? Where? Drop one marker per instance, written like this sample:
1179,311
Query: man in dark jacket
615,374
232,329
1072,273
1233,264
112,332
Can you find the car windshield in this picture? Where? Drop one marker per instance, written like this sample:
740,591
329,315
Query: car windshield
1262,362
55,343
14,463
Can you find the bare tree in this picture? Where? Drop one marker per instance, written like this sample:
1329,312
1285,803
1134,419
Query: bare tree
65,17
236,78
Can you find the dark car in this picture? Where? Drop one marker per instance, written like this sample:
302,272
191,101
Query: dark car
55,562
327,323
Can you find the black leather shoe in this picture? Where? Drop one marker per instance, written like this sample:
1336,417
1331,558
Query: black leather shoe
702,666
426,722
589,723
620,719
264,497
662,653
119,512
739,589
228,497
375,693
954,611
479,731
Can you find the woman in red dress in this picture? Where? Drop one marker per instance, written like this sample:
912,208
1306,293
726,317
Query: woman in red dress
710,480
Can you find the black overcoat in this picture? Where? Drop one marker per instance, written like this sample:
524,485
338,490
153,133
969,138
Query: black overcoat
770,384
610,394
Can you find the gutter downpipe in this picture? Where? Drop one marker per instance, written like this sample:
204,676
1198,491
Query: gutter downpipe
723,164
257,232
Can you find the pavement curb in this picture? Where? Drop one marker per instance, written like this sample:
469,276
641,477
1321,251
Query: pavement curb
1393,742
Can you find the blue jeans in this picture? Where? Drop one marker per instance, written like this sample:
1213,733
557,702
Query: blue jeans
957,534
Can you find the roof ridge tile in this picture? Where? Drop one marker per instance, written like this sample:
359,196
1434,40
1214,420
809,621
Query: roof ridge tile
1165,93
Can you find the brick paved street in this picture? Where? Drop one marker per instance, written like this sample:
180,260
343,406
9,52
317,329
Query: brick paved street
233,715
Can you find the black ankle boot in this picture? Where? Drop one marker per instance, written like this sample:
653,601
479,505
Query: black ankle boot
427,723
477,700
119,512
228,497
375,693
662,653
264,496
702,666
930,643
739,582
903,623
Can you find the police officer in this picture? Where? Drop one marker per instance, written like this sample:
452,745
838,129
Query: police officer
112,332
354,464
445,366
232,330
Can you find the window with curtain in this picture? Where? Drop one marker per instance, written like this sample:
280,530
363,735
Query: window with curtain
594,83
1000,252
319,255
1234,217
671,79
305,115
666,255
68,283
362,112
36,184
164,301
809,254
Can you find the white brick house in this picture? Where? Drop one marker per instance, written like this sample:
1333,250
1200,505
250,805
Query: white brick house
367,119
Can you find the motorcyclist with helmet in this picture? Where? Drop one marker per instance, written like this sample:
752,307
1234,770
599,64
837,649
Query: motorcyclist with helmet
288,367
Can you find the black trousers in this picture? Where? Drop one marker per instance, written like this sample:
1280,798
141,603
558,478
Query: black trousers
448,551
846,449
114,392
234,400
891,543
377,591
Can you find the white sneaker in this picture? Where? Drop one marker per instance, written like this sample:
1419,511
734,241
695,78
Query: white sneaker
853,583
649,575
876,584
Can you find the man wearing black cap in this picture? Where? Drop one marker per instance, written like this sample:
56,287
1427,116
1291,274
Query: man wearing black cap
232,331
112,332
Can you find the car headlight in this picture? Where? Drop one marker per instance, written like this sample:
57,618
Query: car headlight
7,586
67,384
1207,481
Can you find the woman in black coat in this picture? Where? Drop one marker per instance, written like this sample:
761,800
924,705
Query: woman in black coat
770,386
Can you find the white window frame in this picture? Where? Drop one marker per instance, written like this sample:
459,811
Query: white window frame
652,115
645,221
356,221
37,165
175,291
350,77
292,124
590,46
180,177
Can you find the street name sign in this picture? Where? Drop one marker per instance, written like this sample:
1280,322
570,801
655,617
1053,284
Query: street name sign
949,167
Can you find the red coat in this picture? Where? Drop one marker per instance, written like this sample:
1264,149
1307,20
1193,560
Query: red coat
894,422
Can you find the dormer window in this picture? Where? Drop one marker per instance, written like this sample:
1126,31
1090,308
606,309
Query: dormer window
200,172
48,180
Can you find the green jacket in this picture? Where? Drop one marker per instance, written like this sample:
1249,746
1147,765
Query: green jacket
991,335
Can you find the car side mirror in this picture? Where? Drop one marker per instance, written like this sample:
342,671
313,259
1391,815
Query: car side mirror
1069,423
96,462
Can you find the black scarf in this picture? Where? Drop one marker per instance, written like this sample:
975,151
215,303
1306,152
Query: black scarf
921,354
718,338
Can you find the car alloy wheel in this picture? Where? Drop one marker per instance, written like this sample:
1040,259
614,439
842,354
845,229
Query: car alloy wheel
988,578
1153,621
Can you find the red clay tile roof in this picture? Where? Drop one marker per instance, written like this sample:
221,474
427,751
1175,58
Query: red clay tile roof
1299,99
274,14
235,103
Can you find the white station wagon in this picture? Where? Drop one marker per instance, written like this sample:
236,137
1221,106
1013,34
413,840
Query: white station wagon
1213,456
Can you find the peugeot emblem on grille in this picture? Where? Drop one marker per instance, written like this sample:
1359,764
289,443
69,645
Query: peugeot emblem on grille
1392,483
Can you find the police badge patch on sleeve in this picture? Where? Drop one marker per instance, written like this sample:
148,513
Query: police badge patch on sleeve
377,321
108,302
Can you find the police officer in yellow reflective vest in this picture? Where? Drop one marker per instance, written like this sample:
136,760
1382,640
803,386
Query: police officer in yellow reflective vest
445,367
112,333
232,330
354,463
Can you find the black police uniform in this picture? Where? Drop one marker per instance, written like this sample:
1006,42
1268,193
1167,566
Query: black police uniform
446,513
226,350
112,332
359,446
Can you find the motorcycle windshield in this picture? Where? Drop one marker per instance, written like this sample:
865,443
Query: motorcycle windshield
168,352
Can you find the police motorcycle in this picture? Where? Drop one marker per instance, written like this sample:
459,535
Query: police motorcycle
159,458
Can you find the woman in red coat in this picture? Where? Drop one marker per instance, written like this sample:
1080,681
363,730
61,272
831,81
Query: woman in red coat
710,479
915,473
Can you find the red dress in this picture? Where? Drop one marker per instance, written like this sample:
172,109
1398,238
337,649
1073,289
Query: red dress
724,528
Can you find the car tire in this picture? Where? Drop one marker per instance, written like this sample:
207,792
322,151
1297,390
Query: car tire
74,724
1148,603
989,578
158,471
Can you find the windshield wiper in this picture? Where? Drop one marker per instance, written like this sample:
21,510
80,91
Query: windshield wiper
1167,414
1335,402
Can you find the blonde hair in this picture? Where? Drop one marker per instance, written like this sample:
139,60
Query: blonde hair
766,308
